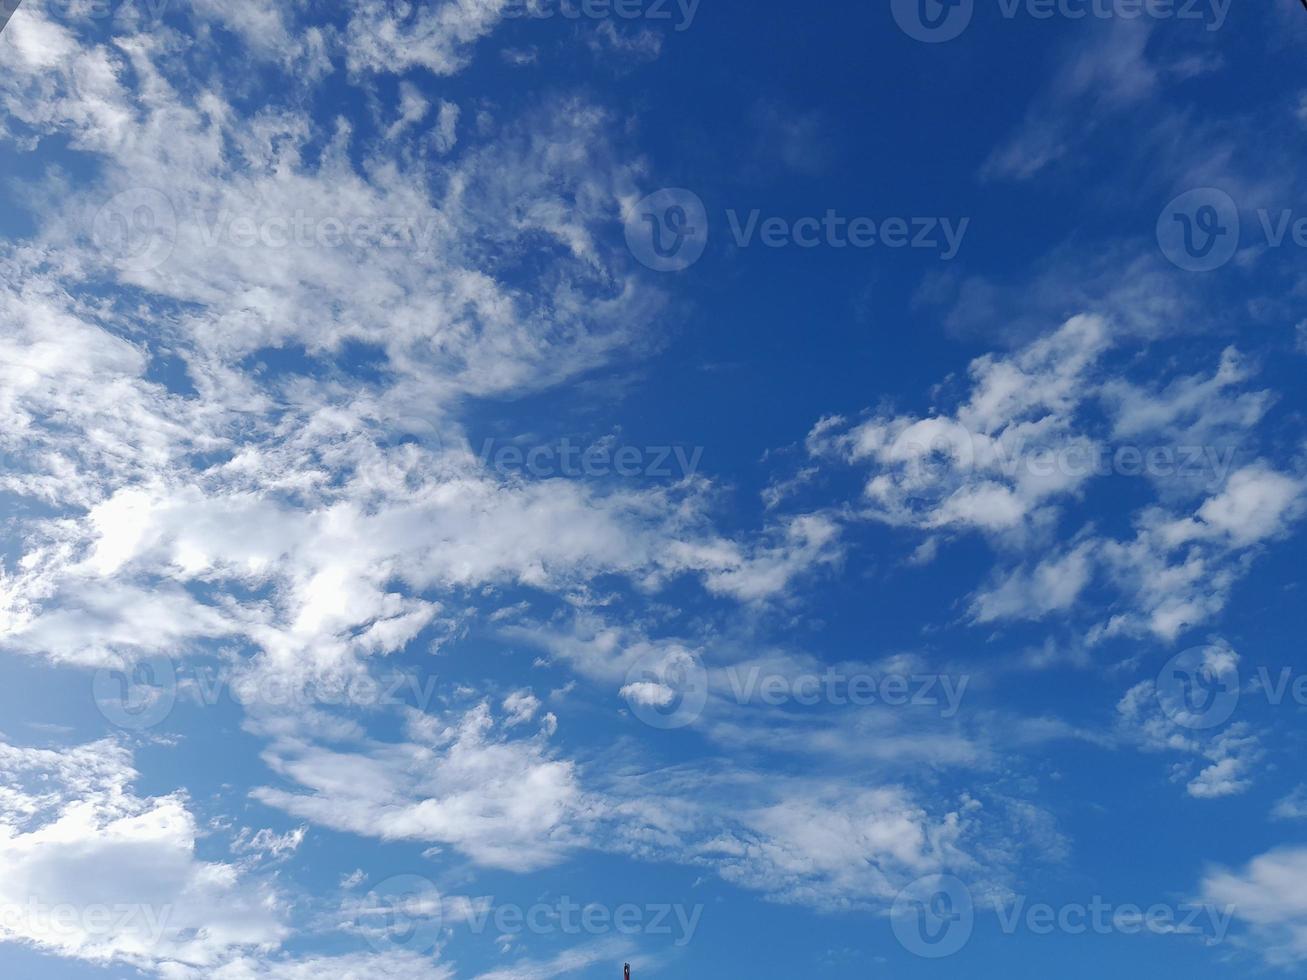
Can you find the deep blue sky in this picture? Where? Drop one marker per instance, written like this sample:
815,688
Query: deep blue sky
245,468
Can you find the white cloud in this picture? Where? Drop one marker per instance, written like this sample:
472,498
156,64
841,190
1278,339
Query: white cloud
520,707
1229,758
606,951
1256,504
505,803
1292,807
1270,895
96,873
1103,74
396,965
1052,585
385,37
970,470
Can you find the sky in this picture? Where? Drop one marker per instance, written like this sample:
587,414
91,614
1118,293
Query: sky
505,490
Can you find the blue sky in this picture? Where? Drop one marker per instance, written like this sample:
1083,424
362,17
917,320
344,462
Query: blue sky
502,491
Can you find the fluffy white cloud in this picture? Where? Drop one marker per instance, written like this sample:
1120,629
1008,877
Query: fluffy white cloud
1038,426
1270,896
95,872
506,803
396,965
1228,757
972,469
1052,585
